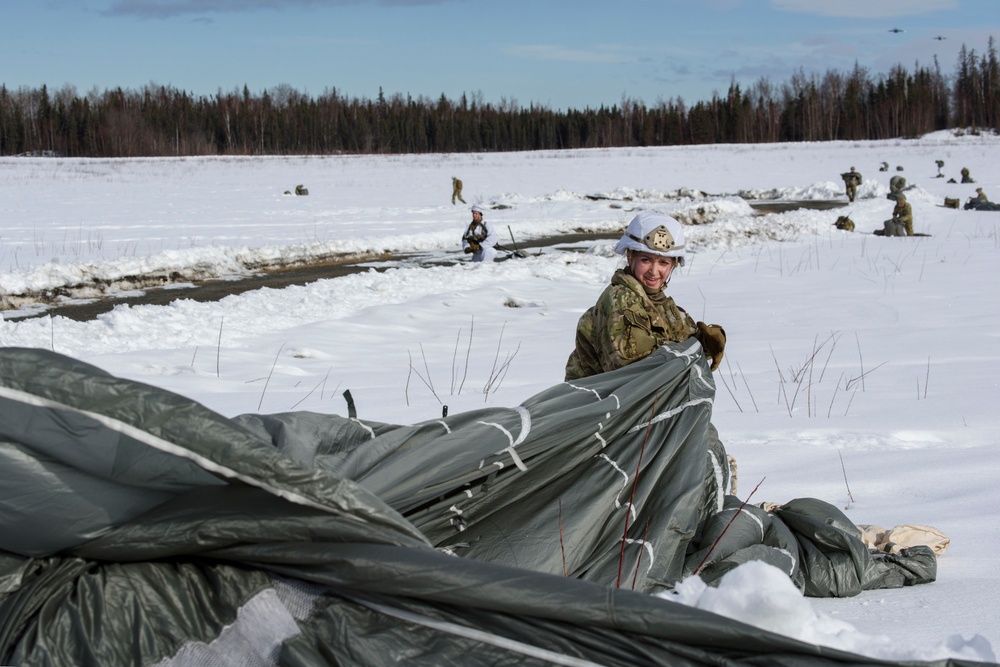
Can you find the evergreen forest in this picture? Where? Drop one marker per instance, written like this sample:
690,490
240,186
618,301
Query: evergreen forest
163,121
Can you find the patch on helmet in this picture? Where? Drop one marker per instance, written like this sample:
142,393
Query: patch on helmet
659,239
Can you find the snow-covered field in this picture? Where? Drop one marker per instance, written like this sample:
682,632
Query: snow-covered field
861,370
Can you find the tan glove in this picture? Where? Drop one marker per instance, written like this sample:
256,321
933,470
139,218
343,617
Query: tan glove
473,247
713,340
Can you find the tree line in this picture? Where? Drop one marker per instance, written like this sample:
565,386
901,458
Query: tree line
163,121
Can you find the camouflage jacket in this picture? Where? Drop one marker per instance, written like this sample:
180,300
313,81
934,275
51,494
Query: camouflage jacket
624,326
903,213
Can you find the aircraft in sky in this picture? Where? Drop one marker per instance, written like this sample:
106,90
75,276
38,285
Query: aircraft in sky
940,38
896,30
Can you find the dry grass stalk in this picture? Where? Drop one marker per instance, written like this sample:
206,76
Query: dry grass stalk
269,374
638,561
735,514
747,385
723,378
844,469
318,384
426,382
468,352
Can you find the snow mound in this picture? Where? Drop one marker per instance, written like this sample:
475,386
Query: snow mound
824,190
709,211
763,596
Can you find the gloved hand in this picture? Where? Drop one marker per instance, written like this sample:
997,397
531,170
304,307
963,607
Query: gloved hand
473,247
713,340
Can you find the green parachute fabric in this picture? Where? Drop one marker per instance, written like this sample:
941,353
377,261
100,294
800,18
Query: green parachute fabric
982,206
138,527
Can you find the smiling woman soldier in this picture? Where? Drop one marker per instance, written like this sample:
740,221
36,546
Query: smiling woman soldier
633,316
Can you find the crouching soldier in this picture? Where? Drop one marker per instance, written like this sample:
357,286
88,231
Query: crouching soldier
976,202
844,223
479,238
896,186
901,223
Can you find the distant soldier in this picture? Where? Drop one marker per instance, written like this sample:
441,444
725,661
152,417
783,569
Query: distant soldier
852,180
301,190
844,223
479,238
980,203
456,190
896,185
939,163
884,167
966,178
975,202
901,222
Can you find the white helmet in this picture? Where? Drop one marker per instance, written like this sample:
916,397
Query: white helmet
654,233
476,208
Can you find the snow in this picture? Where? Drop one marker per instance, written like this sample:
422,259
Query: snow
860,370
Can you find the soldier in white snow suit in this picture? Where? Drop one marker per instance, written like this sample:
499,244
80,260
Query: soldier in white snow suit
480,238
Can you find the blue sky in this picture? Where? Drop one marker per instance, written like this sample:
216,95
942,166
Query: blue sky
557,53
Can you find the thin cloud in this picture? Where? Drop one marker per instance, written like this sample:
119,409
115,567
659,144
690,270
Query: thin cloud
562,54
879,9
169,8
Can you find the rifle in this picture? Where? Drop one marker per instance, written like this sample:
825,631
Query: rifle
517,253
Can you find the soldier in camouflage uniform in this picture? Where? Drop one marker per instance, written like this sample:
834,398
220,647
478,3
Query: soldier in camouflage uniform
852,180
966,177
896,186
901,223
456,190
979,203
844,223
633,317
